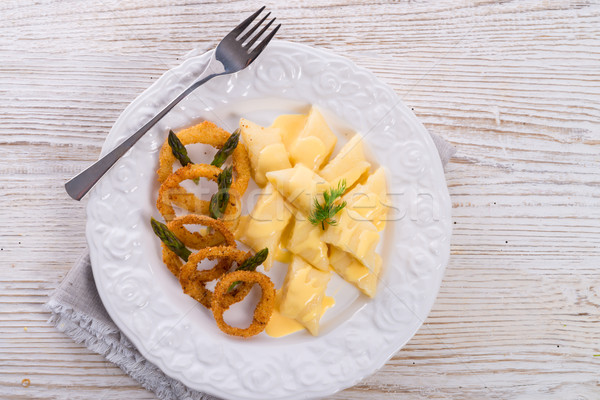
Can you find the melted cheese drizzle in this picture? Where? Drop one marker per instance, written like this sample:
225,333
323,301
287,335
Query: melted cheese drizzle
283,255
280,326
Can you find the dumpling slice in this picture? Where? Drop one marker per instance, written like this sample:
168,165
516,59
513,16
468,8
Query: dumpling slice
267,151
264,226
299,185
370,199
355,235
314,144
302,296
349,164
354,272
305,241
376,183
289,126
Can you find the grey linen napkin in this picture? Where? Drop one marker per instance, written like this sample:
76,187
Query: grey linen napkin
78,312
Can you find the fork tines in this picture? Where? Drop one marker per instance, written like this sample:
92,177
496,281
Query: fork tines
247,40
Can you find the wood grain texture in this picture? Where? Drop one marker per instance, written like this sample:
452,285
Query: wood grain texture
514,85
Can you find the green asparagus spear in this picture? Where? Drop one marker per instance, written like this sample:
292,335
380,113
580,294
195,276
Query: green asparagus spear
219,200
169,239
178,149
227,149
250,265
253,262
180,152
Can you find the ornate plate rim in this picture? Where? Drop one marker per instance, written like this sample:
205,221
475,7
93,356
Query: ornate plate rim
101,263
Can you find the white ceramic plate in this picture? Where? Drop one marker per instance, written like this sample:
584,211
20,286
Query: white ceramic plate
358,335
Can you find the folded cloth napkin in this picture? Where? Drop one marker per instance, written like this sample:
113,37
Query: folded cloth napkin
78,312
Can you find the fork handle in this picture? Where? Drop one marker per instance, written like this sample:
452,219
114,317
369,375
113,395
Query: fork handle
80,184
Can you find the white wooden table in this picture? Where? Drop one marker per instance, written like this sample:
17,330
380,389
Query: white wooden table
514,86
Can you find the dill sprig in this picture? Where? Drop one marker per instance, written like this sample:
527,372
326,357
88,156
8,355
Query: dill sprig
324,213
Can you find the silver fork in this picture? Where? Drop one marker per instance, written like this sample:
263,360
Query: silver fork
234,53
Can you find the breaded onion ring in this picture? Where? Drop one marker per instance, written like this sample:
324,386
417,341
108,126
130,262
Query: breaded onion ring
208,133
194,282
219,235
190,202
171,260
264,308
195,240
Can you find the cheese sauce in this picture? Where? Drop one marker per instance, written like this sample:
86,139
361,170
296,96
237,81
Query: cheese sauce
280,326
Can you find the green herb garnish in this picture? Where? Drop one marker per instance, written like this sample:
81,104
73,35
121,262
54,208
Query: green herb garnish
227,149
170,240
324,213
219,200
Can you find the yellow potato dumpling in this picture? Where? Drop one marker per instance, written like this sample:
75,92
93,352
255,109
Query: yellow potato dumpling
370,199
302,295
376,183
267,152
354,235
289,126
349,164
314,144
305,241
299,185
264,226
354,272
290,160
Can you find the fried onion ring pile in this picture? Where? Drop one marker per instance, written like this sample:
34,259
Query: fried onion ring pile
208,133
216,241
